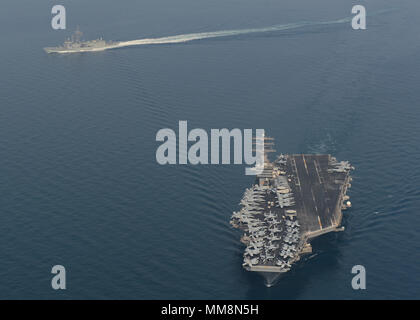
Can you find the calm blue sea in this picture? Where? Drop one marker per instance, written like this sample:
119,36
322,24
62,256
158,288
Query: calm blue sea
80,186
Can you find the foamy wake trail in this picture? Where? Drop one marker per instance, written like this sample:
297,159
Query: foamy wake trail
226,33
229,33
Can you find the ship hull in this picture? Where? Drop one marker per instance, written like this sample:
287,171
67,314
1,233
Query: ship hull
80,50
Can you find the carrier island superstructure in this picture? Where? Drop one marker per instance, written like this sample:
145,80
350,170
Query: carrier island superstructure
295,199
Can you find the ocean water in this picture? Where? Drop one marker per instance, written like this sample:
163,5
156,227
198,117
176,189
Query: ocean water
80,185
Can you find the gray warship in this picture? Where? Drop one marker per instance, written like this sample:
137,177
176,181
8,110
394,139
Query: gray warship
75,44
295,199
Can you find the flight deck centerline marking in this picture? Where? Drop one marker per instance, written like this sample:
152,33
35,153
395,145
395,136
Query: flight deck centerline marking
317,172
297,173
319,221
313,196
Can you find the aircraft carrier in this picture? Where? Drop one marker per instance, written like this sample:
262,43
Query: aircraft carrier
295,199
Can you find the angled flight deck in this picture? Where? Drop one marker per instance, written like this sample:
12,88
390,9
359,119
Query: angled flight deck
318,192
296,198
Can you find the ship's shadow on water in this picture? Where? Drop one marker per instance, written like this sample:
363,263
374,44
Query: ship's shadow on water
322,261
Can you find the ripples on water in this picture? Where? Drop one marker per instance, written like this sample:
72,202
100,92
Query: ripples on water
81,186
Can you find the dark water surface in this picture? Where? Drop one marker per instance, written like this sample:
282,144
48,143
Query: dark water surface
80,185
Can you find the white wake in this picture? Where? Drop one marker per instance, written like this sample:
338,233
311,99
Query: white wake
217,34
182,38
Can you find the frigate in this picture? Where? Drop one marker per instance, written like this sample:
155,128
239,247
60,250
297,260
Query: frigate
75,44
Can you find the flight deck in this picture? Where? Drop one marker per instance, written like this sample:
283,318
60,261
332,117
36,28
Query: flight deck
317,191
294,199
